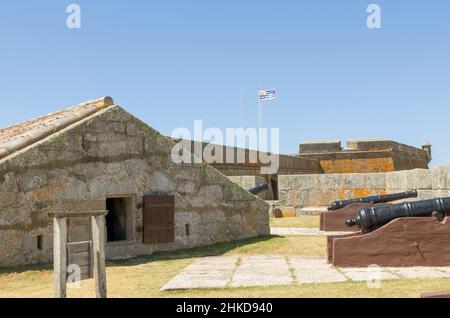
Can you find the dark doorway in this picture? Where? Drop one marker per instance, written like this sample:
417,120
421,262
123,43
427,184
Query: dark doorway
116,220
274,186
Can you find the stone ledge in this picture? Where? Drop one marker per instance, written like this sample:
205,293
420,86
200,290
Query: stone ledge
312,210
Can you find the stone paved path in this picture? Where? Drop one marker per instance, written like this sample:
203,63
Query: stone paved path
286,231
252,272
269,270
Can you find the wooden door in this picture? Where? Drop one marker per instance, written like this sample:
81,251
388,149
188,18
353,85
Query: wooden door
159,219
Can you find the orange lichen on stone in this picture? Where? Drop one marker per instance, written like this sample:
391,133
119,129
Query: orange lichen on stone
372,165
48,192
358,193
341,193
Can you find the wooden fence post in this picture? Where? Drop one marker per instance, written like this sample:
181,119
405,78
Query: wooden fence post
60,257
99,242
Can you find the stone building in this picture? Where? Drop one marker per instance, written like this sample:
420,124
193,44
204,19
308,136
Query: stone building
96,156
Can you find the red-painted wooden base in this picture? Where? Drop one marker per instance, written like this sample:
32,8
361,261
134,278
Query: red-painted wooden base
421,241
335,220
444,294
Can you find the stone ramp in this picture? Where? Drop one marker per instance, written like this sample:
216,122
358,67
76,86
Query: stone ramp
272,270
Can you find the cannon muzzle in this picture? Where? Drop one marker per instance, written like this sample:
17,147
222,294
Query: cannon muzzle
259,189
373,199
372,218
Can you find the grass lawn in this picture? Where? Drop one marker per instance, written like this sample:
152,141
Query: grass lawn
143,277
307,221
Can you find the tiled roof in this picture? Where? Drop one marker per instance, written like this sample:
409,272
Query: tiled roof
17,137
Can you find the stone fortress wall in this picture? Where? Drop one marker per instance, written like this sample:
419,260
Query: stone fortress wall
300,191
328,157
288,164
368,156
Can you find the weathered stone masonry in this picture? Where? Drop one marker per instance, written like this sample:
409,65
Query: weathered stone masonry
300,191
365,156
113,154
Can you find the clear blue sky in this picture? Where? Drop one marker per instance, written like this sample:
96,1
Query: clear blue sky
171,62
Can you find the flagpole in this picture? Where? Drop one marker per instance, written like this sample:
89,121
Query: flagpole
259,111
242,108
261,115
259,121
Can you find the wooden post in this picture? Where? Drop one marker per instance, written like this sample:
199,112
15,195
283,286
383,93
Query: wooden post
60,250
99,245
60,257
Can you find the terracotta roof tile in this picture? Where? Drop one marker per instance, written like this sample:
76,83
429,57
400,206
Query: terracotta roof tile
16,137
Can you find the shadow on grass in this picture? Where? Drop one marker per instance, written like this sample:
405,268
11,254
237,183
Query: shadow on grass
201,251
26,268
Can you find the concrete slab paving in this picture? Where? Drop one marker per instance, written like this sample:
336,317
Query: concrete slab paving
314,270
205,272
358,274
445,270
417,272
269,270
262,270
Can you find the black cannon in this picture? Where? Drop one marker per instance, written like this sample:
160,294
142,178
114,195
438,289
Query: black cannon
260,188
373,199
371,218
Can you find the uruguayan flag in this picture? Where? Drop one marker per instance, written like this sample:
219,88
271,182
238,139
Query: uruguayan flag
267,94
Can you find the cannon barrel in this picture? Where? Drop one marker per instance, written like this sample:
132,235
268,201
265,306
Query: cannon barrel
260,188
369,219
373,199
